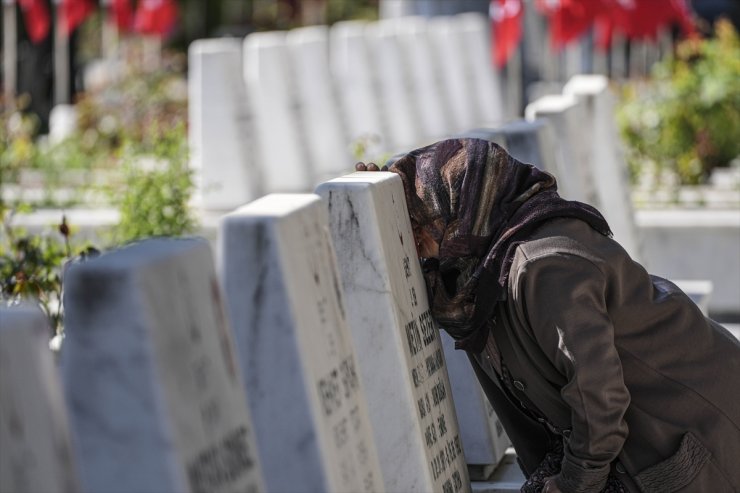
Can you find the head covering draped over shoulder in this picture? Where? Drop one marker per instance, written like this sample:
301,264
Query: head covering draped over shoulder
477,203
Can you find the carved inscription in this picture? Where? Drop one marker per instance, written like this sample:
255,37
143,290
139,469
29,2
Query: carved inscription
431,388
222,463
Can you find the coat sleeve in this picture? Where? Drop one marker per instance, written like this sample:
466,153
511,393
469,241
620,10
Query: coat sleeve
564,302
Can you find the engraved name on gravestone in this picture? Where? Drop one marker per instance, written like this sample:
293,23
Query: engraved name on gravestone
35,452
284,297
154,387
401,362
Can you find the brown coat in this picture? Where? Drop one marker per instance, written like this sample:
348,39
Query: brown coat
642,382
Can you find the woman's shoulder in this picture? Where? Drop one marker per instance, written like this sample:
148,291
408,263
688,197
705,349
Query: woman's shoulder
570,237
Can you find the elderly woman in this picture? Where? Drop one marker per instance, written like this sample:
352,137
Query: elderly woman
605,378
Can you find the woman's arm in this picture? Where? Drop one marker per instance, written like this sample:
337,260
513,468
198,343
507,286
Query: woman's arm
564,302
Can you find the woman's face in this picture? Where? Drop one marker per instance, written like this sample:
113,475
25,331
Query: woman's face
426,246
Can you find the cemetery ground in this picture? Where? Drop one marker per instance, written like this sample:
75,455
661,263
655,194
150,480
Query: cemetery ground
289,347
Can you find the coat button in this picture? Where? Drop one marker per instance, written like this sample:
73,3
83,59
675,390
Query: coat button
519,385
620,468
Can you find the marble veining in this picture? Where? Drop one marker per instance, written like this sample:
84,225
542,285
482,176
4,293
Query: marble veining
399,352
284,299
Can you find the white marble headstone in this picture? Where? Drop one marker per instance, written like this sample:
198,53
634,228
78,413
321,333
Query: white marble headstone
354,76
321,124
62,122
151,376
609,168
429,100
400,355
486,92
448,44
280,149
300,369
35,450
218,125
399,115
567,116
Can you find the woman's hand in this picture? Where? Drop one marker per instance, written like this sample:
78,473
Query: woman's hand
550,486
360,166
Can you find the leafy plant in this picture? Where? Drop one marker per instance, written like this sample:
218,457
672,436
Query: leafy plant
158,185
685,118
31,266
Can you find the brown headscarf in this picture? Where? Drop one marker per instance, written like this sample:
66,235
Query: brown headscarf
477,203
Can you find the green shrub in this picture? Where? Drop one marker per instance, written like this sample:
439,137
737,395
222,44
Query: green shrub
686,117
157,189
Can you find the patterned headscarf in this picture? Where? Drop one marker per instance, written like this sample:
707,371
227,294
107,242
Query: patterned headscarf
477,203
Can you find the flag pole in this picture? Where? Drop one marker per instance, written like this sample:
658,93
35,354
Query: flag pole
10,47
61,57
109,31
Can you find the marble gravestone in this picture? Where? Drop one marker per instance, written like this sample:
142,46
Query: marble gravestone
427,96
279,146
354,77
151,377
567,117
320,119
610,175
399,115
35,450
474,29
448,43
400,355
300,369
219,130
609,169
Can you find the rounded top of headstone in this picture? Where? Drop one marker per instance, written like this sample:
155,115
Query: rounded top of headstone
585,84
266,39
276,205
308,34
24,316
362,178
552,103
141,253
214,46
348,28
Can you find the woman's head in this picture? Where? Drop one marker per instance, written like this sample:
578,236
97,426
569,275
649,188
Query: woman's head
470,205
459,190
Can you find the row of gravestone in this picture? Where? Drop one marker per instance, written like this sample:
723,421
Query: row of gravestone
306,360
343,370
281,111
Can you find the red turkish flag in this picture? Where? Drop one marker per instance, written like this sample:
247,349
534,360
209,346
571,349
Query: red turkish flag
506,28
74,12
157,17
122,15
642,19
569,19
36,18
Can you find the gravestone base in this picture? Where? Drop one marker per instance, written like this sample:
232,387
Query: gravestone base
480,472
507,478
